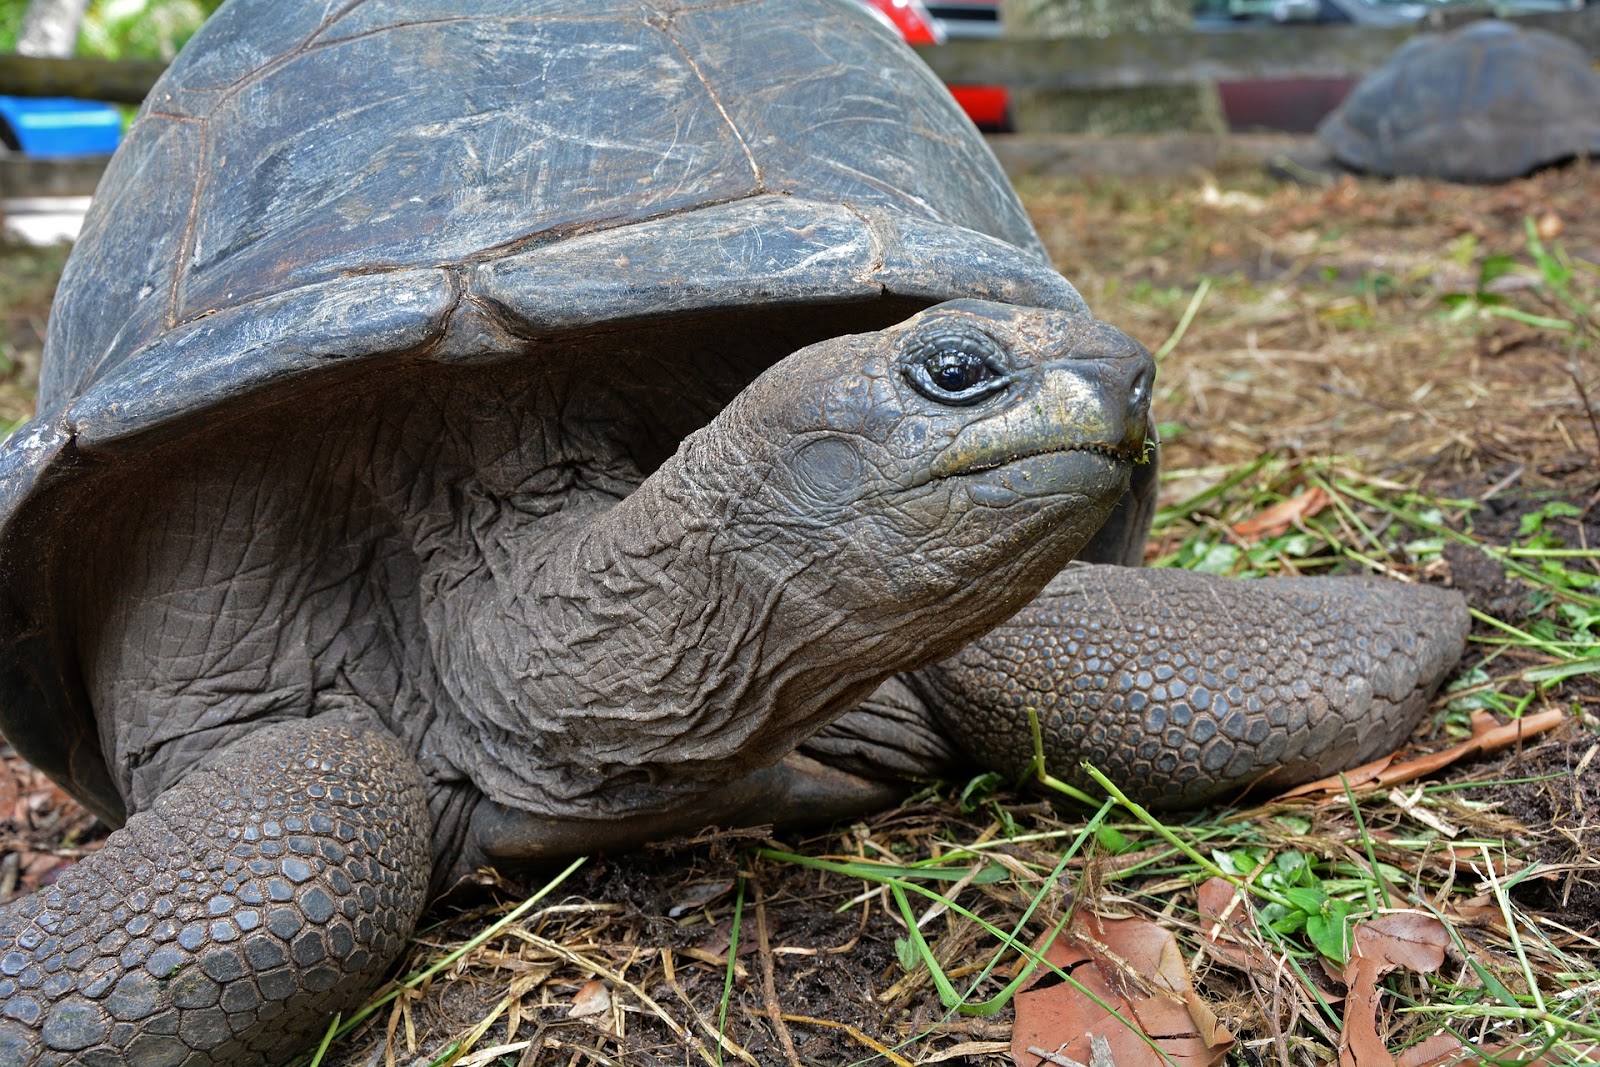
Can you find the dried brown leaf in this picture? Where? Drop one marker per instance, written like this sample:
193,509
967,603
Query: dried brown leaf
1134,968
1275,520
1438,1049
1359,1043
592,998
1410,939
1365,774
1487,735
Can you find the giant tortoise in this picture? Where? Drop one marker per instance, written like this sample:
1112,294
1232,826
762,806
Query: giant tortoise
1484,103
481,439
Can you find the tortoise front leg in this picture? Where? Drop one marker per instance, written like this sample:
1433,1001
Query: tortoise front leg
269,888
1182,687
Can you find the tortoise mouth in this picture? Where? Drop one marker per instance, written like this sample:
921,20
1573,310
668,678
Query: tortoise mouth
1117,454
1040,477
1043,471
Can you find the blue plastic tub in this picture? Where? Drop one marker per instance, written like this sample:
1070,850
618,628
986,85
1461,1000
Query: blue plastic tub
56,126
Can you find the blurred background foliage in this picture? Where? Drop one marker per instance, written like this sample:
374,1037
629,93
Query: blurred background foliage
123,29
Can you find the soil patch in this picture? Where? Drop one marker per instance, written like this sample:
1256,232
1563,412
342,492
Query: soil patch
1555,788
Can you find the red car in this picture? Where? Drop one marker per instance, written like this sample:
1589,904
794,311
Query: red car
989,106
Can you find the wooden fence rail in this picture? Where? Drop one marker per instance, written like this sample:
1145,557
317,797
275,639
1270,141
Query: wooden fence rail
120,81
1133,60
1136,60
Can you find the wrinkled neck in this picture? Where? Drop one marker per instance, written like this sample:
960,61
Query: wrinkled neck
630,654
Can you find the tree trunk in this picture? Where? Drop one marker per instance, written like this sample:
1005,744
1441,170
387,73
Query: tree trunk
50,27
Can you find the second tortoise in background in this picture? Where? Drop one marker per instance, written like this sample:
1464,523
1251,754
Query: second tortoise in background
1486,103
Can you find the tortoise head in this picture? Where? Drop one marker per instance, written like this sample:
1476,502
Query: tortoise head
955,461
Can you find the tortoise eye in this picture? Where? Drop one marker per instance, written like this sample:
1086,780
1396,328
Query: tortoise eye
955,365
956,372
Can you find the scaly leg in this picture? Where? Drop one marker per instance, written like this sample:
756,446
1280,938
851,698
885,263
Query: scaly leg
1182,687
269,888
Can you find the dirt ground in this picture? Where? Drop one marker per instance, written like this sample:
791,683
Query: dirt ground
1350,325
